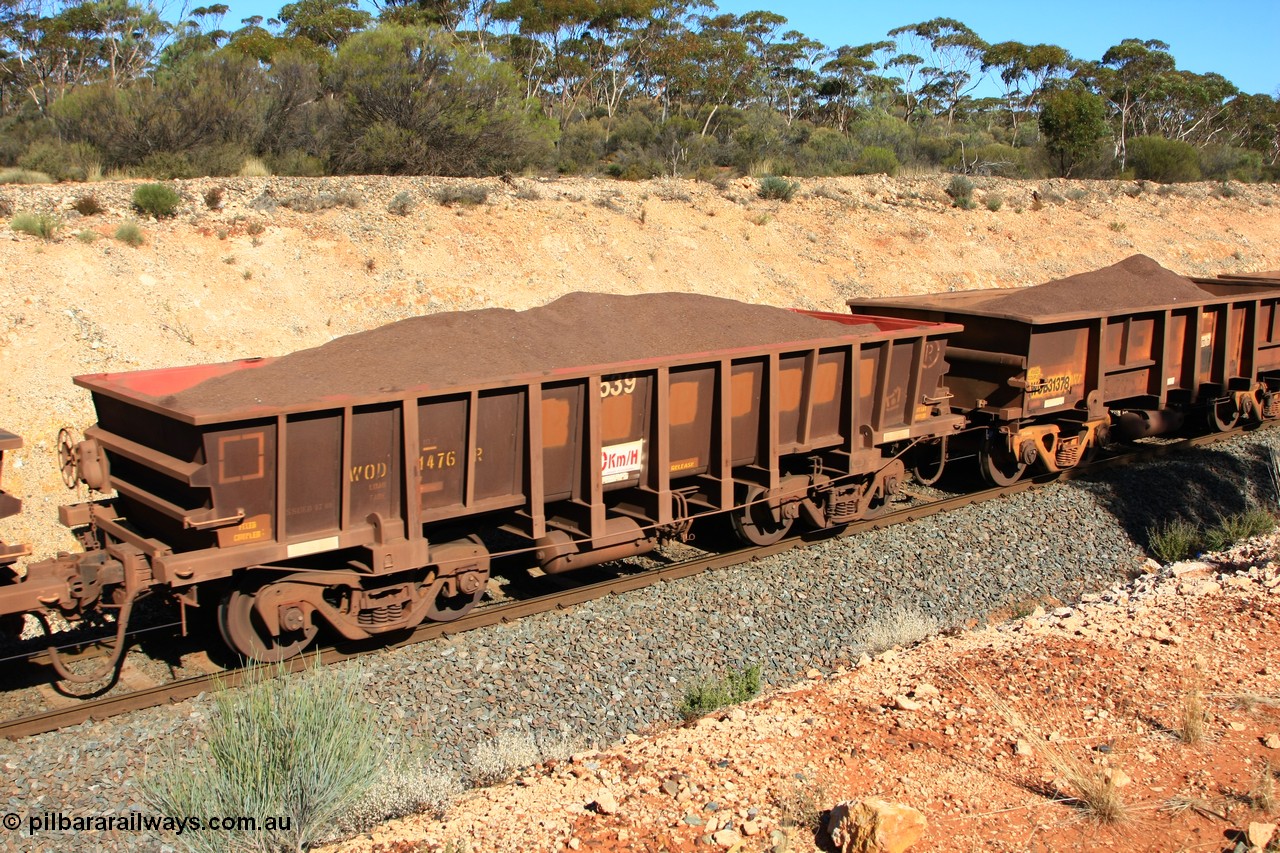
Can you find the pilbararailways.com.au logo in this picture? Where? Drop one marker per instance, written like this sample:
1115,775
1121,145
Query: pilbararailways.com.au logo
139,822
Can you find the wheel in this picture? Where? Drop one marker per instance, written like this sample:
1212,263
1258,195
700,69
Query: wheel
999,467
445,607
67,458
928,460
244,632
754,523
1224,415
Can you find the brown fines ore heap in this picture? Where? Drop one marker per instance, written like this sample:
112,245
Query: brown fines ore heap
1135,281
465,347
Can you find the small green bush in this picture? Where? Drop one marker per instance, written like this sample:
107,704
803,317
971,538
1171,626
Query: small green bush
876,160
303,747
961,191
156,200
402,205
1238,527
1167,161
994,203
43,225
88,205
1173,540
130,232
467,195
738,685
776,188
87,236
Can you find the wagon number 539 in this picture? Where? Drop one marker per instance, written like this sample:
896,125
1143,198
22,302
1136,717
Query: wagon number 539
618,387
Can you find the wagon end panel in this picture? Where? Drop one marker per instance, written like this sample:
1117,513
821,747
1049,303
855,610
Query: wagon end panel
9,505
163,473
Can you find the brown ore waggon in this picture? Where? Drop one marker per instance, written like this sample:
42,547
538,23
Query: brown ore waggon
1047,375
360,485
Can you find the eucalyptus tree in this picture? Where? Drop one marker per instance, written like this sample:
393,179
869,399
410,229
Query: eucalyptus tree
945,54
1022,72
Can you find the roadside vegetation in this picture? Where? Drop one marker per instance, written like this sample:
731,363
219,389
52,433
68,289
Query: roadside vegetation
734,687
330,87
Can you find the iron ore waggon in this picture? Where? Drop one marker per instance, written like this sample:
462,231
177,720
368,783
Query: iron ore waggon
359,484
1047,375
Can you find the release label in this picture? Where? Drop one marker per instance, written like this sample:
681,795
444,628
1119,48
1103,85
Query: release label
619,462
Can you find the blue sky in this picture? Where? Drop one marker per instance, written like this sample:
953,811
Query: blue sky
1236,38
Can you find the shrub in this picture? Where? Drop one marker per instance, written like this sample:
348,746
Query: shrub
876,160
1167,161
87,205
738,685
24,176
213,198
961,191
302,747
402,205
994,203
61,161
900,626
87,236
304,203
467,195
155,200
167,166
43,225
297,164
1221,162
1238,527
1173,540
130,232
774,187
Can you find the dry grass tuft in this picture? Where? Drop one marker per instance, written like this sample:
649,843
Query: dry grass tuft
255,167
801,803
1252,701
1263,796
1191,723
1090,786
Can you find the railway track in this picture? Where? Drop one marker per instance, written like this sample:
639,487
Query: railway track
153,695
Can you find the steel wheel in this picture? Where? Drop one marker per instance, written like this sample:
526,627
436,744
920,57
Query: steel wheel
1224,415
999,467
67,458
445,607
754,523
243,631
928,460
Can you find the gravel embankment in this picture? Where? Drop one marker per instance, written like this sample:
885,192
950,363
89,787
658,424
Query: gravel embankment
613,666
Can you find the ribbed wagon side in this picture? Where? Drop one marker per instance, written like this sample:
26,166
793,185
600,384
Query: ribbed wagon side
9,505
372,511
1052,386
